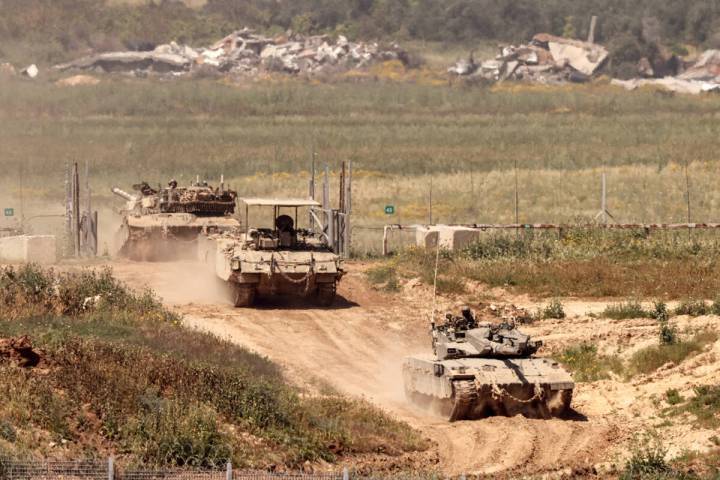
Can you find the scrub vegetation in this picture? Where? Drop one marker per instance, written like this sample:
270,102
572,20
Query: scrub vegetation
118,374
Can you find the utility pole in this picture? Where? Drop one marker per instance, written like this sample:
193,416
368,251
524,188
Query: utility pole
603,214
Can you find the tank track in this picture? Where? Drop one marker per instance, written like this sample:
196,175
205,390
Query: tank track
465,396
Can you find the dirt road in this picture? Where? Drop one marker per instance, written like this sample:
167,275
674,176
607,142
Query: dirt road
357,347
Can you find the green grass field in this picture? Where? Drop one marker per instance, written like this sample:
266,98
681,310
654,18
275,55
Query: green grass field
400,137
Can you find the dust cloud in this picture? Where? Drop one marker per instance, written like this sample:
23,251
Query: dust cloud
176,283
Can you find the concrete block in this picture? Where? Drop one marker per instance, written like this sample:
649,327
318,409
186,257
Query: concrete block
28,248
450,238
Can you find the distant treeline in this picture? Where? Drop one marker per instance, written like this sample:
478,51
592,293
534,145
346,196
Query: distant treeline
72,25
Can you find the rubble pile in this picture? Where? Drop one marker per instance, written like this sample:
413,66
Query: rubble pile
546,59
245,52
700,77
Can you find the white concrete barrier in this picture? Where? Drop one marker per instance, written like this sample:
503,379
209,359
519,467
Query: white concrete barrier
450,238
28,248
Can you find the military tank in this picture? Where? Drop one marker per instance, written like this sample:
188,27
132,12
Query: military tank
479,370
164,223
275,260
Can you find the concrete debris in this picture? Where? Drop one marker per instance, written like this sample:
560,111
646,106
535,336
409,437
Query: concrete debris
31,71
546,59
245,52
672,84
706,69
701,77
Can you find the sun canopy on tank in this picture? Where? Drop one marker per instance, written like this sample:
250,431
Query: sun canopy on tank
280,202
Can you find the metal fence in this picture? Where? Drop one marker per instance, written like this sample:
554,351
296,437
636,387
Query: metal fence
11,469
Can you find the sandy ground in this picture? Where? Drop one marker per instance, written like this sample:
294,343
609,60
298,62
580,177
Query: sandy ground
358,346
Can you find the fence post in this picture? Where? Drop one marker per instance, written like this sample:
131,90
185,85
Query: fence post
228,471
111,468
346,473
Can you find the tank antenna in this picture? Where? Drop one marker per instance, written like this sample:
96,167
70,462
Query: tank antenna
437,260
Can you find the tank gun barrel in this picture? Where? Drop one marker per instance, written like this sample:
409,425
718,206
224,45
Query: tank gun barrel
122,193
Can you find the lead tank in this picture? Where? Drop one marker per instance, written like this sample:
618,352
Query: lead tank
164,223
277,259
483,369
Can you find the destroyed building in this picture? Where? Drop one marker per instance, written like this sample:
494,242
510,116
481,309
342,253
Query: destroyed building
247,53
546,59
702,76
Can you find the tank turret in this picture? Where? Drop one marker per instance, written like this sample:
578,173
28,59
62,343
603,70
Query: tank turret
462,336
155,217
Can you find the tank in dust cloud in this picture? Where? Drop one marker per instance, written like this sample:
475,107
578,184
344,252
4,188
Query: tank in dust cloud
281,259
164,223
483,369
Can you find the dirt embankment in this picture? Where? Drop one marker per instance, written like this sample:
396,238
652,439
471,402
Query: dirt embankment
357,347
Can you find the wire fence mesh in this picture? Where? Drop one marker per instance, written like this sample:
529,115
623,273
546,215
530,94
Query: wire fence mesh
11,469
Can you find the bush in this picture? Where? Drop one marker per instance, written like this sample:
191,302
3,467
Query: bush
704,406
693,308
625,311
587,365
650,359
660,312
673,397
385,277
647,460
553,310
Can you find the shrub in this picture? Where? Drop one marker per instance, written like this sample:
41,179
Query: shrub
553,310
625,310
384,276
660,312
705,406
693,308
647,460
650,359
587,365
673,397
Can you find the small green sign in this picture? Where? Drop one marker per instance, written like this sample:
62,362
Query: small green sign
389,209
9,212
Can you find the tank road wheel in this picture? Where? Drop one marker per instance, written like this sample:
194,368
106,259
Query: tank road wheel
326,294
244,295
464,398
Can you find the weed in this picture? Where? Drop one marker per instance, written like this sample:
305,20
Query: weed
647,461
625,310
660,312
553,310
693,308
673,397
650,359
589,366
385,277
704,406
